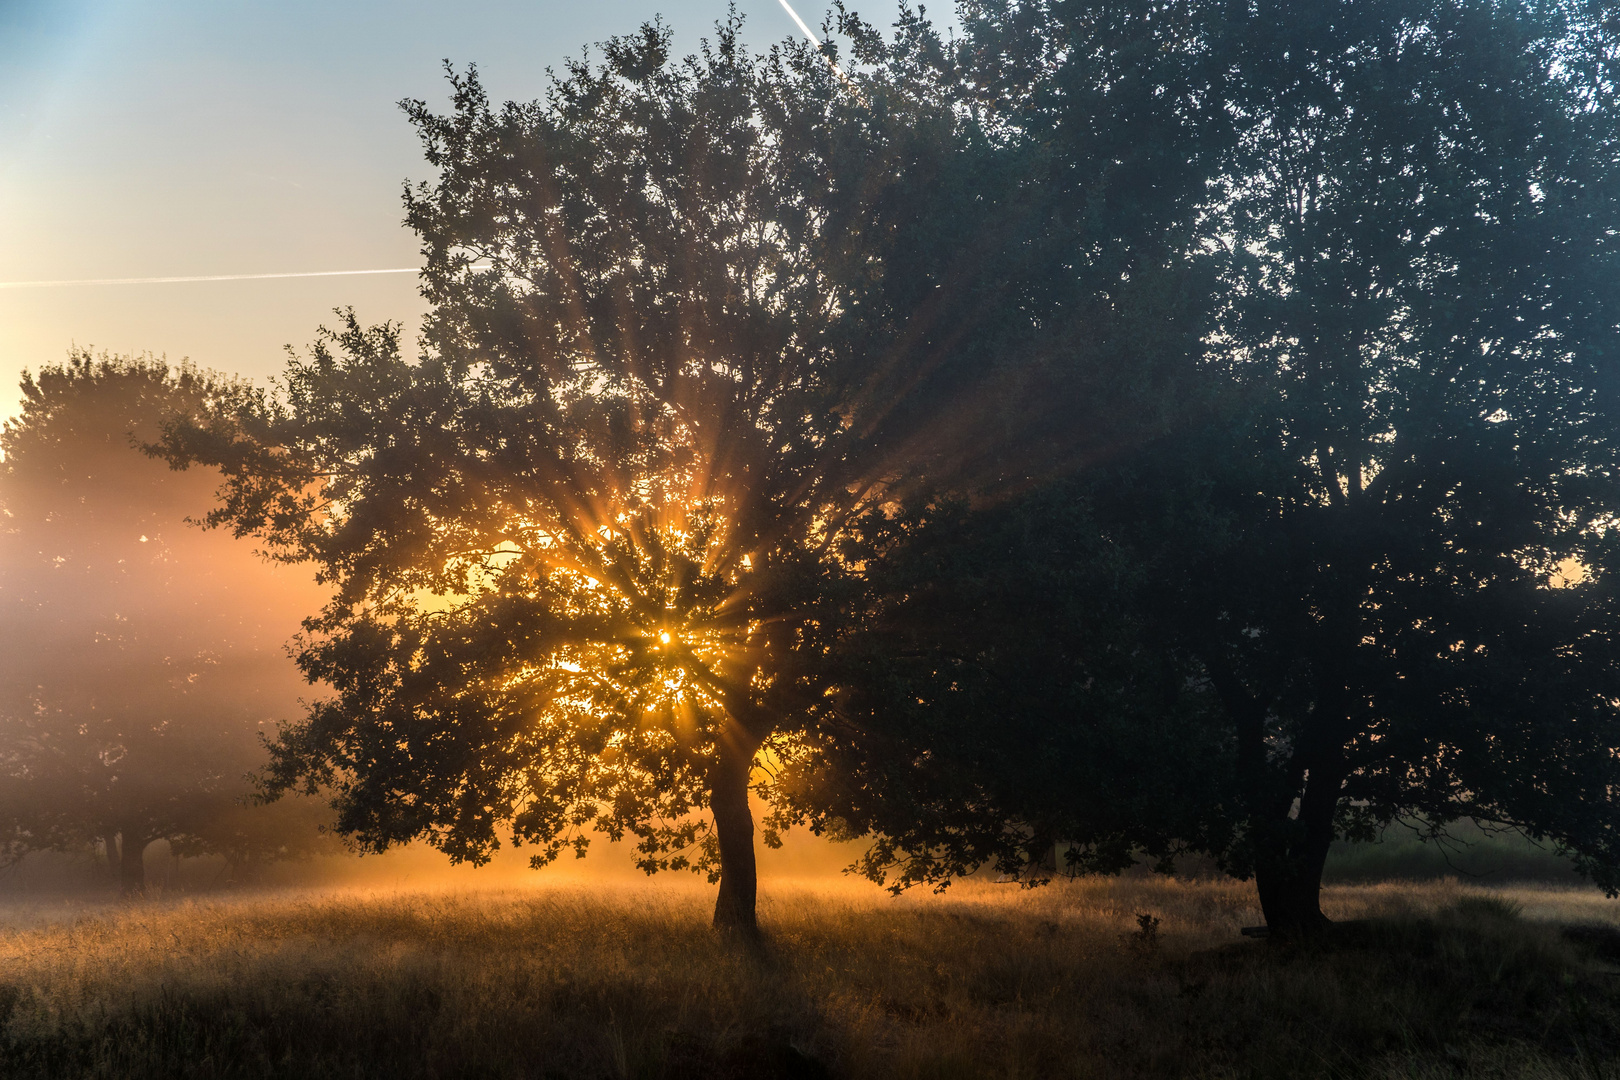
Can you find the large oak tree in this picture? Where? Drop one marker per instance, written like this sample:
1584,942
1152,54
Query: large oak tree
588,545
1422,298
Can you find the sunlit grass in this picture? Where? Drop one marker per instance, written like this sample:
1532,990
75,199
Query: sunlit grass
587,980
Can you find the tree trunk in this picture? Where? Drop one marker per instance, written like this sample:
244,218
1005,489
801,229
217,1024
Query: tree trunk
1290,888
1288,868
734,829
132,864
109,841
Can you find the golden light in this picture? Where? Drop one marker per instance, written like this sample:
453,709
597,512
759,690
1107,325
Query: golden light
662,572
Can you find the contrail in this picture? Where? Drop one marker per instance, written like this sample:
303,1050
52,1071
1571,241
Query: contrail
208,277
794,15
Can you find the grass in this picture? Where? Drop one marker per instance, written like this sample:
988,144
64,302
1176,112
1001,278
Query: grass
986,981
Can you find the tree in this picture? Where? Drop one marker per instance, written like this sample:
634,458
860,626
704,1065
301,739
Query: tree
140,660
588,548
1373,547
1421,299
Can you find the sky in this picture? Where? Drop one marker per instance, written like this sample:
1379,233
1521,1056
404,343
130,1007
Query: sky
167,138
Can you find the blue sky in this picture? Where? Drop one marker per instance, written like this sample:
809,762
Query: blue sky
188,137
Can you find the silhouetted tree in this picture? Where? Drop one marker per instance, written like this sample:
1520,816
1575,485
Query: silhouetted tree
588,548
140,660
1372,547
1421,300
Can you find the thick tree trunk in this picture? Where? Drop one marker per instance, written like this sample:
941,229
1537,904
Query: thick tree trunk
132,864
109,841
1290,888
1290,851
1288,869
734,829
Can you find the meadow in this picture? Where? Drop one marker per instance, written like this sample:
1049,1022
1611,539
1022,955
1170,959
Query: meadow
1128,977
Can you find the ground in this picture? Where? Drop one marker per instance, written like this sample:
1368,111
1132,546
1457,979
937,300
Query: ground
1092,978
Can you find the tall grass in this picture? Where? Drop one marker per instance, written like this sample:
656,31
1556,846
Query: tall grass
986,981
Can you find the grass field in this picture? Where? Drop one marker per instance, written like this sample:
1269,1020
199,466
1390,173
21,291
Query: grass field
618,981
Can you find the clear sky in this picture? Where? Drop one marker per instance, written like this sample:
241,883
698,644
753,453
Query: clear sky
146,138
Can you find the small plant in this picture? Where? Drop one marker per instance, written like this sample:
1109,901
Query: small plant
1145,938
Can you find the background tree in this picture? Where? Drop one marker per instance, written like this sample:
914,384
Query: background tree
140,660
588,547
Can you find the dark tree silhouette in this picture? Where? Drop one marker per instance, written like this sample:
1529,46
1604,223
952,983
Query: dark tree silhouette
587,547
1372,544
1420,299
140,659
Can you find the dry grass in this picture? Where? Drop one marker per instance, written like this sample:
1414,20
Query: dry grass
987,981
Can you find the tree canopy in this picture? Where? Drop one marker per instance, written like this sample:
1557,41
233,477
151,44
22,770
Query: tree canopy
587,549
1420,291
1370,544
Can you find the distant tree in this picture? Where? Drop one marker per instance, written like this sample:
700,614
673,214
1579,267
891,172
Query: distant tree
1373,547
140,660
588,549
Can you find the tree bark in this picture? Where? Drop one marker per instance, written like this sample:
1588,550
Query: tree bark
132,863
1290,888
734,907
1288,867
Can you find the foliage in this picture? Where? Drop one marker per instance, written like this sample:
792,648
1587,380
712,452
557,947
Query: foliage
996,689
140,660
1419,300
588,547
994,704
1150,425
1345,554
